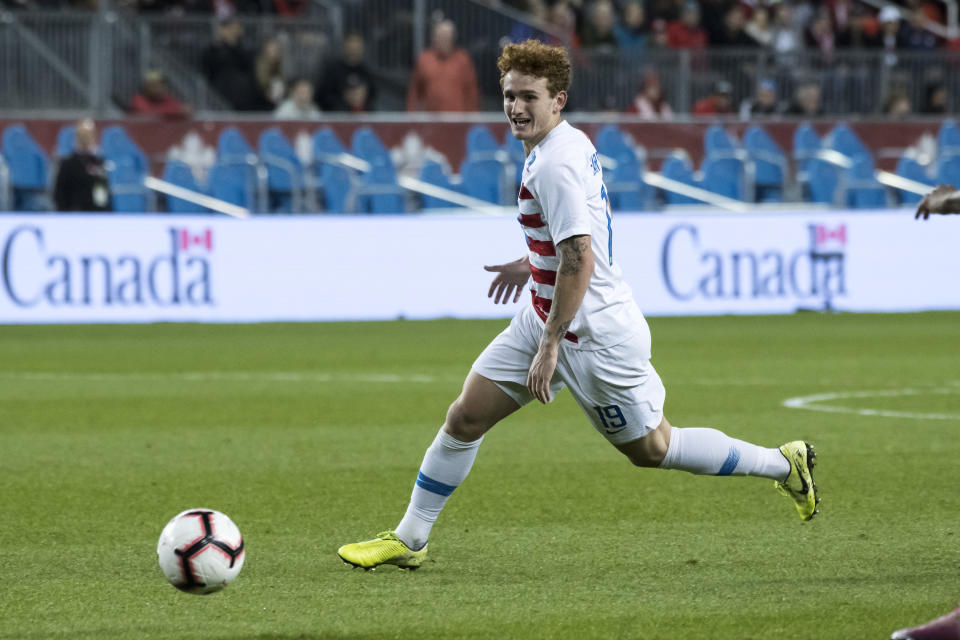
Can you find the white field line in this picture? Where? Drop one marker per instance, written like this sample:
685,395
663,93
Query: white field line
219,376
814,403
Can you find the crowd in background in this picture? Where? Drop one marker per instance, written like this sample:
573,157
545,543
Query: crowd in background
251,76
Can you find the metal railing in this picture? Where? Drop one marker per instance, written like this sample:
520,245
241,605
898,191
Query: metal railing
94,61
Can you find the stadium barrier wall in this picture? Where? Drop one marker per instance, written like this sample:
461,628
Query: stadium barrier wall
83,268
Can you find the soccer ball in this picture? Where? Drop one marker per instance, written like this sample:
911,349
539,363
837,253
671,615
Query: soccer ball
200,551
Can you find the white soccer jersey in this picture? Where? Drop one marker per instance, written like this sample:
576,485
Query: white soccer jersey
562,195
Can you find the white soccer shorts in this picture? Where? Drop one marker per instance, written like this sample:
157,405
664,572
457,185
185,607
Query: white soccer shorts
617,387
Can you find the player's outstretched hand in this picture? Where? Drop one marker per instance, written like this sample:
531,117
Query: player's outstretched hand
943,199
509,281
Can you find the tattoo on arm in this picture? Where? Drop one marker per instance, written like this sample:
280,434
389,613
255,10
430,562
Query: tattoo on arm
573,252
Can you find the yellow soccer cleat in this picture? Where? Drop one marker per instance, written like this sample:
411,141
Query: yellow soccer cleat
799,485
386,548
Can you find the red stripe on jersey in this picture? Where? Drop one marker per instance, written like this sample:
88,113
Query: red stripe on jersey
543,276
542,307
532,220
525,193
541,247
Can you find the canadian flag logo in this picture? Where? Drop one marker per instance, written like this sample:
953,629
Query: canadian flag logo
189,240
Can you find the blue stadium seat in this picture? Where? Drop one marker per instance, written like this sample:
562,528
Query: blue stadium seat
484,179
625,183
234,183
948,170
366,144
716,139
480,140
180,174
676,168
862,189
909,168
284,172
66,141
29,169
948,138
115,145
433,173
806,144
822,179
126,184
518,156
333,181
724,175
611,141
335,184
231,143
842,138
380,192
325,141
770,164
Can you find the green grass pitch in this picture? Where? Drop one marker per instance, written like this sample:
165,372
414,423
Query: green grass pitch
310,436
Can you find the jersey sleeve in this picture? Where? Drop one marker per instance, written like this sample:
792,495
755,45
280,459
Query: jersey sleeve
563,200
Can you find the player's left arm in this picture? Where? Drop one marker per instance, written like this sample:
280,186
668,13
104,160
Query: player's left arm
573,278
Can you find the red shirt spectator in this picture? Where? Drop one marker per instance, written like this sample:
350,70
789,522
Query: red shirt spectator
686,33
155,100
444,78
717,102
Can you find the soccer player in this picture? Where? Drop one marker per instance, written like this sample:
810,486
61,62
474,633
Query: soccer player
943,199
581,330
943,628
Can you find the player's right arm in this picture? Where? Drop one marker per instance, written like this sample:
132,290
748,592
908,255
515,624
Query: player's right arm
943,199
510,277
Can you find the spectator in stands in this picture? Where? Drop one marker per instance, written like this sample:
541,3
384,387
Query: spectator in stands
650,103
759,27
897,105
666,10
686,32
631,34
935,99
712,14
598,31
269,72
914,34
889,33
764,102
444,78
299,105
349,68
561,17
733,33
229,68
537,13
720,100
786,38
356,94
862,33
154,98
807,101
81,183
821,38
658,35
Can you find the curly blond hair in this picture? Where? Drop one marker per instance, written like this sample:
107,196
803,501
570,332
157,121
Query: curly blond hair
539,60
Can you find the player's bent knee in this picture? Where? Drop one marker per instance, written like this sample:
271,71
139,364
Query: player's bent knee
648,451
462,425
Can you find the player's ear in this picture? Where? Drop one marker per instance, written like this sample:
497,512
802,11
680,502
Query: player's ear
561,100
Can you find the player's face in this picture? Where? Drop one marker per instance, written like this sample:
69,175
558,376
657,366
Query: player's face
530,109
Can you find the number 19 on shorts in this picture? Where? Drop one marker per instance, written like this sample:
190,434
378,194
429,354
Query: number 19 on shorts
611,417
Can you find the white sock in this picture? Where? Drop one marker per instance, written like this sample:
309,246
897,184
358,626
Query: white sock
445,465
711,452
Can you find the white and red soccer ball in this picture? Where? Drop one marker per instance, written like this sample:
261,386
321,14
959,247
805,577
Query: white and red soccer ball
200,551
